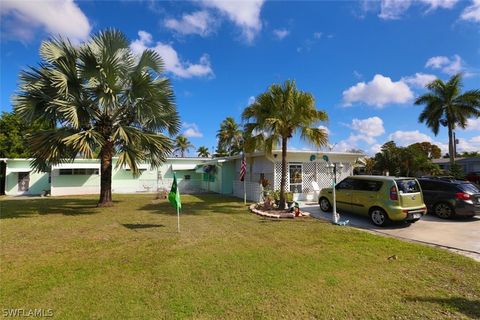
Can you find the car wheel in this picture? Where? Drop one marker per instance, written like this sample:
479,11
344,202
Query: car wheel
379,217
443,210
325,205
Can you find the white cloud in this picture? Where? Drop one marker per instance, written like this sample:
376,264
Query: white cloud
375,148
371,127
447,65
280,33
419,79
245,14
378,92
394,9
251,100
173,64
317,35
57,17
472,12
191,130
473,125
324,128
366,130
200,22
472,144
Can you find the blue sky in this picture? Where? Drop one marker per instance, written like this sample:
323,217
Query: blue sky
365,61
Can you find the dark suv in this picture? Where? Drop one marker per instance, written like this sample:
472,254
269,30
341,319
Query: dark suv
449,197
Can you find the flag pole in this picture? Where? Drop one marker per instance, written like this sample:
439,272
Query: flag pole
178,219
244,192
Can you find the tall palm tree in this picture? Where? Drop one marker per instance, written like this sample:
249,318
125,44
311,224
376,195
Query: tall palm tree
230,136
182,145
203,152
100,100
276,115
445,104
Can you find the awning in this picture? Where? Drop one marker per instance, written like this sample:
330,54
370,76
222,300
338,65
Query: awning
18,170
183,167
76,166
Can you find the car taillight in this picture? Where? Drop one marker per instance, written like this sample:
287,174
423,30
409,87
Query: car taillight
462,196
393,193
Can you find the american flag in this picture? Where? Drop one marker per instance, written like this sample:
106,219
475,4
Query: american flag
243,169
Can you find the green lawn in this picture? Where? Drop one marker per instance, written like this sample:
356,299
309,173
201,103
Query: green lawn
128,262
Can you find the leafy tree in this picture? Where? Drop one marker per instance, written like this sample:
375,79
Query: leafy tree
431,151
182,145
98,96
14,135
446,105
388,159
203,152
472,154
230,137
276,115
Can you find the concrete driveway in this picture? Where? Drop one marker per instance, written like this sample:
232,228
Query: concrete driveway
460,234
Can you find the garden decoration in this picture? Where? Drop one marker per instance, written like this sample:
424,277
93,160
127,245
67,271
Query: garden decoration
332,169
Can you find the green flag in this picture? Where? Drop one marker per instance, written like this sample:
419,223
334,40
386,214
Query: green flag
174,195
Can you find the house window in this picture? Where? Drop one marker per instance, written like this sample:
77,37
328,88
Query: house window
78,172
295,171
187,177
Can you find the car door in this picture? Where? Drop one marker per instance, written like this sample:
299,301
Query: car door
429,192
364,195
343,193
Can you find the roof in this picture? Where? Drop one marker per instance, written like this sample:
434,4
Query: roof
383,178
296,152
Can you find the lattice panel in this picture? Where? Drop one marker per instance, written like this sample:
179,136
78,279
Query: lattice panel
324,179
344,172
308,176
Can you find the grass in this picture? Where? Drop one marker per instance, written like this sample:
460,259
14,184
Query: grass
128,261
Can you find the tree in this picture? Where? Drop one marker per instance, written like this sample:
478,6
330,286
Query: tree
230,137
388,159
446,105
203,152
430,151
182,145
98,96
276,115
14,135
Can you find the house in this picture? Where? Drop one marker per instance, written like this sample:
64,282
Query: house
303,168
82,176
306,170
467,164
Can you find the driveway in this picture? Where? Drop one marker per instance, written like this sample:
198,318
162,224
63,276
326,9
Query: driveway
460,234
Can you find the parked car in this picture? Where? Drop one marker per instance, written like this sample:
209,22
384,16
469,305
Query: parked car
382,198
449,197
473,177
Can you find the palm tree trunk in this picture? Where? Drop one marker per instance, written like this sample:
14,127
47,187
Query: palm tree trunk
284,174
106,156
450,146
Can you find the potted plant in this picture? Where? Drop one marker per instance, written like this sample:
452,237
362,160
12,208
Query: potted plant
289,198
276,197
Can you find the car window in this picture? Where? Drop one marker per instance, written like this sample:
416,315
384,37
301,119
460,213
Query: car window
468,187
367,185
407,185
427,185
347,184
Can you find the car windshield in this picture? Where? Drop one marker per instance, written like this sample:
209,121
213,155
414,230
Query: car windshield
407,185
469,188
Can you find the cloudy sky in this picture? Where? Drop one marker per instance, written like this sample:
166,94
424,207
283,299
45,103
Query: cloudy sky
365,61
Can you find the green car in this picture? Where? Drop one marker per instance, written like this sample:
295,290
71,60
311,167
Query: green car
382,198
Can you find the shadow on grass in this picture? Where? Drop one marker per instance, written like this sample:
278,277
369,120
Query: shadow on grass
135,226
470,308
199,204
65,206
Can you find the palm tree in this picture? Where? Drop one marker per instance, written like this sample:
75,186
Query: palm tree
203,152
276,115
182,145
230,136
100,100
446,105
